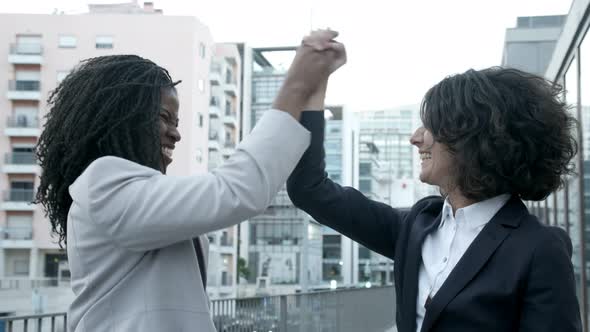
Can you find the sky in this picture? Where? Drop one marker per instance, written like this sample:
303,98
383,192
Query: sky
396,49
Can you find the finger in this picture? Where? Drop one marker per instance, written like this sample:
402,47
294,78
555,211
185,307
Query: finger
336,46
317,45
328,34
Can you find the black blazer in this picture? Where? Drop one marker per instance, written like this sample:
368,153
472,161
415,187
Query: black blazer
515,276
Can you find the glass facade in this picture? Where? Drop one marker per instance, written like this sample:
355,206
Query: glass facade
284,243
332,241
569,207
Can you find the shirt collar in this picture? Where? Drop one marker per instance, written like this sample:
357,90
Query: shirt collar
477,214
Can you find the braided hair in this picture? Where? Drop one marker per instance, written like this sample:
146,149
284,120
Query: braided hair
107,106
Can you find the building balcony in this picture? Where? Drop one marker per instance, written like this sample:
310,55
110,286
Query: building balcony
16,237
24,90
214,111
229,148
230,88
25,54
22,126
20,163
214,145
230,119
215,75
18,200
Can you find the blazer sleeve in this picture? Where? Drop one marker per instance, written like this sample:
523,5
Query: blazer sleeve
550,302
141,209
345,209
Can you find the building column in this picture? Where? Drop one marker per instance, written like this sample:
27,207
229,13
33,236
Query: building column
2,263
33,262
347,266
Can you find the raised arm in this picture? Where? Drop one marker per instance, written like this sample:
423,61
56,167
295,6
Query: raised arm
141,209
345,209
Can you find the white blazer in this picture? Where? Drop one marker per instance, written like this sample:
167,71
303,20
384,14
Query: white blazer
132,261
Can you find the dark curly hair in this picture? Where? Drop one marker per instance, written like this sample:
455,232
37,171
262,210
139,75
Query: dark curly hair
508,131
107,106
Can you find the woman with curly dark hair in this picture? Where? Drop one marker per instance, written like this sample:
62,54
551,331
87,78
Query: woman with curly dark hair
474,259
135,238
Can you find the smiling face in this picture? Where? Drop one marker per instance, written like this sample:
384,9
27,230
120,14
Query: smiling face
437,160
169,134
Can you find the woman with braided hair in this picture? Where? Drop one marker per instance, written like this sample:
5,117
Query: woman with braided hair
134,236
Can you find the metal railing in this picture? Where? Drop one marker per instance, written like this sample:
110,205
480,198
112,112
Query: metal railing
53,322
17,233
348,310
20,158
27,283
369,310
26,49
22,122
18,85
19,195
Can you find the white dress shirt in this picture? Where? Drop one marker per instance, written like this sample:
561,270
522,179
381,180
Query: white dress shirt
443,248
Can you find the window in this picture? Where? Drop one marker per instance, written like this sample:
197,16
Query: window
200,120
365,169
199,156
228,107
21,267
67,41
25,117
364,253
21,191
27,44
228,77
27,80
22,155
201,85
19,227
202,50
365,186
104,42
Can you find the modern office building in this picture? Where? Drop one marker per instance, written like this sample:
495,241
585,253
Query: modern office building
529,46
569,207
225,83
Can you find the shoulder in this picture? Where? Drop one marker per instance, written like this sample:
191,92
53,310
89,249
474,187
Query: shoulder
548,241
430,204
107,172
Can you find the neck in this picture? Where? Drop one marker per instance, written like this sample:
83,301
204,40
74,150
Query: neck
458,201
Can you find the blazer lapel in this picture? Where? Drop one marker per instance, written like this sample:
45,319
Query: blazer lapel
478,253
424,224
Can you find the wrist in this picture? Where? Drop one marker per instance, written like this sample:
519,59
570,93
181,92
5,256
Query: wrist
291,99
316,101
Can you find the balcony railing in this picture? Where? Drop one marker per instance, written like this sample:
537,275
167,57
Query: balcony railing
20,158
19,195
349,310
21,85
17,233
27,283
22,122
26,49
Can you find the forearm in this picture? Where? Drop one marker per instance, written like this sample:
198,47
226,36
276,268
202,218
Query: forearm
342,208
292,99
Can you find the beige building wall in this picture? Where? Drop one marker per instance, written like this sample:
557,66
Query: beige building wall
183,45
